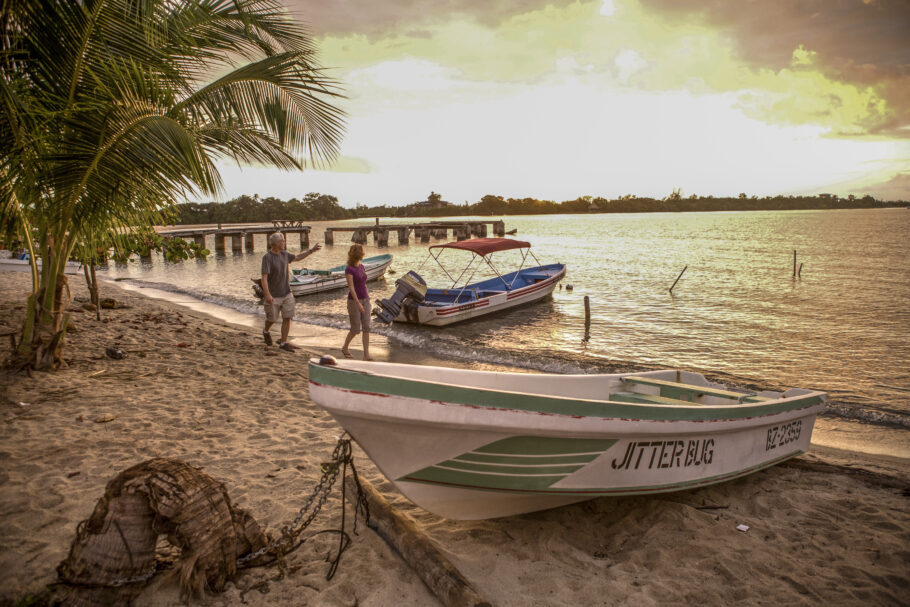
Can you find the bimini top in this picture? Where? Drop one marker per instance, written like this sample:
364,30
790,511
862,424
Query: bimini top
484,246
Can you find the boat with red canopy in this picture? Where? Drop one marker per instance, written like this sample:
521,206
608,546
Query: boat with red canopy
415,303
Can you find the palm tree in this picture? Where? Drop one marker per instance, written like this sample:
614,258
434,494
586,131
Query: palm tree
113,111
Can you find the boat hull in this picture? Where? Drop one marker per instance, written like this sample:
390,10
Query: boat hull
23,265
300,286
480,452
442,315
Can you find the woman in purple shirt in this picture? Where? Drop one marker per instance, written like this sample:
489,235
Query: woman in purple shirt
358,302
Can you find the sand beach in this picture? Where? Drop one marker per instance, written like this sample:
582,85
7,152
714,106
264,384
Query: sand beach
832,526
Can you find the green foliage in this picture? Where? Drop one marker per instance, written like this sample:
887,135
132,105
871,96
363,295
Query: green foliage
109,116
244,209
146,241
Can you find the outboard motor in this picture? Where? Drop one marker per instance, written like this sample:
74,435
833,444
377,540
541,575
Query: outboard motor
411,291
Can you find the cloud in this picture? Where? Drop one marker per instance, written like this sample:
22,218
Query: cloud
379,18
896,188
857,42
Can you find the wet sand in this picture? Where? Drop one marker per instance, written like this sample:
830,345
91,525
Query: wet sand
832,526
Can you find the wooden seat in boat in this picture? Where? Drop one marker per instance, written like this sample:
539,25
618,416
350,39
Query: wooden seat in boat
651,399
688,392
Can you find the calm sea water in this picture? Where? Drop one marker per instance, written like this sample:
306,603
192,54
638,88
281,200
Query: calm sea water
737,314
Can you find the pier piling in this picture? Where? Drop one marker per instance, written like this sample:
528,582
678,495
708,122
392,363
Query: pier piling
587,318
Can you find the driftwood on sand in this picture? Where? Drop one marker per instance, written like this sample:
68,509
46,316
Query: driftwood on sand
436,571
113,553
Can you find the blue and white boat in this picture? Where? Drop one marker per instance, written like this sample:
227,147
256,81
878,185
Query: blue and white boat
415,303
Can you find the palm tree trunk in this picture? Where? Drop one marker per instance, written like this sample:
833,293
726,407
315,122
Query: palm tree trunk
44,330
91,281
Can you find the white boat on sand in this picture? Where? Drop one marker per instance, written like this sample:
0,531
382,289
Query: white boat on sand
413,302
469,444
22,265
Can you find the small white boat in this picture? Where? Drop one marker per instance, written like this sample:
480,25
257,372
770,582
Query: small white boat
23,265
469,444
305,281
413,302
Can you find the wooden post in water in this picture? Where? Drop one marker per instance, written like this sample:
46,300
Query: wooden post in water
794,263
587,318
800,273
329,237
677,279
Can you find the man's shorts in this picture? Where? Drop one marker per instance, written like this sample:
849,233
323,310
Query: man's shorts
284,304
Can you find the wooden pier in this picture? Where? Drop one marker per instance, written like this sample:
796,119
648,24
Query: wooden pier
462,230
241,236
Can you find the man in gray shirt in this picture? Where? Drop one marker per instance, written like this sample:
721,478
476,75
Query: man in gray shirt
276,288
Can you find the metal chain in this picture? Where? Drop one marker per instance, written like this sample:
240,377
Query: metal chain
342,454
135,579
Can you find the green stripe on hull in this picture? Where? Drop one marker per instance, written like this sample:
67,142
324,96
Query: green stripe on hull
542,445
542,465
448,478
521,460
477,397
500,469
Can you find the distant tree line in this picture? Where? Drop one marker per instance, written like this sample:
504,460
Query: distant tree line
252,209
314,207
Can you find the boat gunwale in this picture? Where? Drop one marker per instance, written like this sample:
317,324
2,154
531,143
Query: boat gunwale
696,413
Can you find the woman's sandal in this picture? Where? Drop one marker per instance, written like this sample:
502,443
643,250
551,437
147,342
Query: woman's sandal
347,353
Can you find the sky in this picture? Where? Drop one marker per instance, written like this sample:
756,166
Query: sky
557,99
